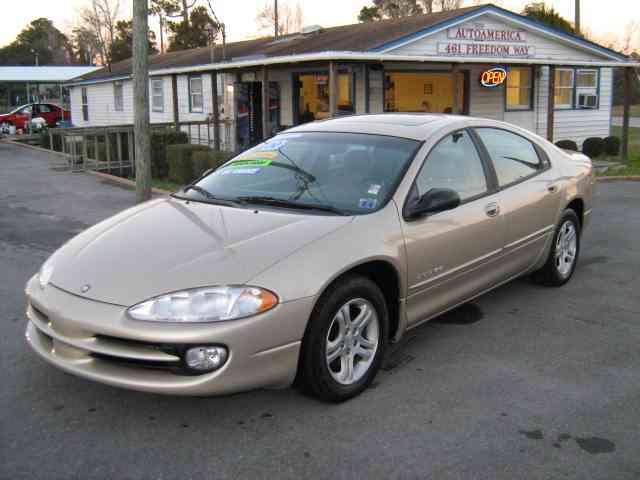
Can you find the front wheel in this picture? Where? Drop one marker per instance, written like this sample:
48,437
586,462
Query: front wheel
563,255
345,341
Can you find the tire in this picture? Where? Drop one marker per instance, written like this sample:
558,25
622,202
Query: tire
350,342
557,270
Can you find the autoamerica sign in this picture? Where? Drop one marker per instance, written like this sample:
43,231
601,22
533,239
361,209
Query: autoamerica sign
478,33
477,49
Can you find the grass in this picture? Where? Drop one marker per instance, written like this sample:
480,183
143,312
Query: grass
633,167
635,110
165,185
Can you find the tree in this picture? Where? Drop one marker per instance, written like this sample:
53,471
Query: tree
548,15
122,47
164,9
398,8
290,18
86,45
191,34
100,19
369,14
41,40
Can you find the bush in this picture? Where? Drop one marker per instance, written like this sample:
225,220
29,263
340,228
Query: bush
593,147
612,146
180,161
159,142
202,161
567,145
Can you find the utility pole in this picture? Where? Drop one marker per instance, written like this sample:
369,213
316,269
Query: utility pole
275,18
141,132
577,20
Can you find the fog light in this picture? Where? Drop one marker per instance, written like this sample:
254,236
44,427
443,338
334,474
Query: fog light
205,358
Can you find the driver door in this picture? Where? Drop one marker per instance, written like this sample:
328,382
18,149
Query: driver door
451,253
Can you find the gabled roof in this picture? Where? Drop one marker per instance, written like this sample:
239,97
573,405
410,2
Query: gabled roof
52,73
368,37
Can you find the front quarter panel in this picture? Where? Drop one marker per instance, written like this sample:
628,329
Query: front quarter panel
308,271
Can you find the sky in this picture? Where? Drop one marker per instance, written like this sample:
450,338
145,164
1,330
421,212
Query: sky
603,18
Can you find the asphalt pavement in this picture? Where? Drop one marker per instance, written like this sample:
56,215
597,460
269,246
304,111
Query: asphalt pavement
527,382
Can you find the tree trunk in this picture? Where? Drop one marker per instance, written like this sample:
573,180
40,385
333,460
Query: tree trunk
185,12
141,99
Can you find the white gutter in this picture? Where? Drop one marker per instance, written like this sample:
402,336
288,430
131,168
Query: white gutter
366,56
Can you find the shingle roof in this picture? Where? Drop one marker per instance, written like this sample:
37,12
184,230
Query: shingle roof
358,37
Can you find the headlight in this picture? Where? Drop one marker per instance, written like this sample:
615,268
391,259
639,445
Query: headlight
44,275
209,304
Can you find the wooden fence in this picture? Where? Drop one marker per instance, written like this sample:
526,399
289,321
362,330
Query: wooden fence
111,148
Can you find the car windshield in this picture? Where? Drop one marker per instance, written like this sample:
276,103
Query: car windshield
348,173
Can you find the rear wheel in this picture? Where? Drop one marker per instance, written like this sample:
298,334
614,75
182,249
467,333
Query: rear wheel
345,341
563,255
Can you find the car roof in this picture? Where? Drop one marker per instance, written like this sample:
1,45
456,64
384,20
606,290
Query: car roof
416,126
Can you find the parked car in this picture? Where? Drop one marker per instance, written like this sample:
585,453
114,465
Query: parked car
19,117
305,256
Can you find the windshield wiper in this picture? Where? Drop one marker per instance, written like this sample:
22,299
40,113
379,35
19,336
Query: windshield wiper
208,195
281,202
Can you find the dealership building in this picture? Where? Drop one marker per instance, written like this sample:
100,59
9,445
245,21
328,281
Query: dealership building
482,61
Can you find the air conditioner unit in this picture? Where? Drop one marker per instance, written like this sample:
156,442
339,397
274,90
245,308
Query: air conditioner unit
587,100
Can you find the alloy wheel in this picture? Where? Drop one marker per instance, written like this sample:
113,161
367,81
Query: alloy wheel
566,248
352,341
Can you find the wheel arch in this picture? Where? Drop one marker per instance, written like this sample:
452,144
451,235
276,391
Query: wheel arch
387,277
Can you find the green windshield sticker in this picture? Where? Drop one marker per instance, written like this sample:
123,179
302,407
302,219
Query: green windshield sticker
255,162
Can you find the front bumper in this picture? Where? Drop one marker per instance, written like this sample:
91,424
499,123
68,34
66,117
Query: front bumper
98,341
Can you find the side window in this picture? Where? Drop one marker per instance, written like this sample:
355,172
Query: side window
44,108
514,157
453,163
85,104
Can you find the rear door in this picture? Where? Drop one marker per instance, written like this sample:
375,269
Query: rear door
450,254
529,195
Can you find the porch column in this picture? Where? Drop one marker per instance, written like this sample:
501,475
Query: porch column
214,110
265,103
456,88
176,107
365,69
551,102
624,150
333,89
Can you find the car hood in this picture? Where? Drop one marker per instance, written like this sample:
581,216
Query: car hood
170,244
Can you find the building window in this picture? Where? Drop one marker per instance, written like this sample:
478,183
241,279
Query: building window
519,90
85,105
563,97
196,101
587,88
157,95
118,100
314,96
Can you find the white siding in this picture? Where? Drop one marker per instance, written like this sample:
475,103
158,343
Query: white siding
376,91
484,102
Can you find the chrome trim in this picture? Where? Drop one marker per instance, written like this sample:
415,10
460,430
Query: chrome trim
100,345
537,233
457,269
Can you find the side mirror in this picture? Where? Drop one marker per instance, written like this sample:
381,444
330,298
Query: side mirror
434,201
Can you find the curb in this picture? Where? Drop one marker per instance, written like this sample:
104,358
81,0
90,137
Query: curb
624,178
33,147
125,182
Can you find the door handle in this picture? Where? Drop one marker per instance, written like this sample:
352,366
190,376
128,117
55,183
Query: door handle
553,188
492,209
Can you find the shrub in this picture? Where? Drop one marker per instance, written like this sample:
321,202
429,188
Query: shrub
202,161
612,146
180,161
567,145
593,147
159,142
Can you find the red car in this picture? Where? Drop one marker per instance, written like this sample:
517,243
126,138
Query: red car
48,111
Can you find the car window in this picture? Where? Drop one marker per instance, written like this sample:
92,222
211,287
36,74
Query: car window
514,157
44,108
453,163
356,173
26,110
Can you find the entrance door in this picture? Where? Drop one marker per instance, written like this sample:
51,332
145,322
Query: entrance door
248,114
424,92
